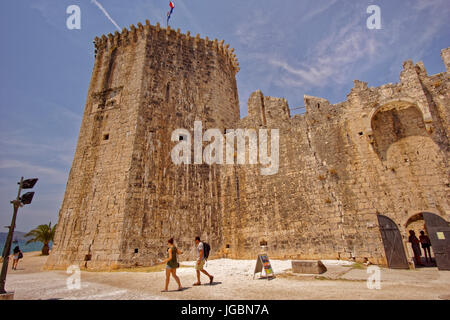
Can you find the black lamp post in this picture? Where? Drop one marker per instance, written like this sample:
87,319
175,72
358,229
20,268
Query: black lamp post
19,202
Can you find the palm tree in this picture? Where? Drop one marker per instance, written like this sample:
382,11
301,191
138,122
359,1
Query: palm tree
43,233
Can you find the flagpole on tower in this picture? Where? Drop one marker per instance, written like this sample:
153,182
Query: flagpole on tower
172,6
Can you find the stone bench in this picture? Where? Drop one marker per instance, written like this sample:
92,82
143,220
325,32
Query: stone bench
308,266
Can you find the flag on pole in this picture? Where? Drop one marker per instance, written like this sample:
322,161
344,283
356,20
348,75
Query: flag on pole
172,6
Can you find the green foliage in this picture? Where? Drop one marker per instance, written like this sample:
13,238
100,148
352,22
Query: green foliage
43,233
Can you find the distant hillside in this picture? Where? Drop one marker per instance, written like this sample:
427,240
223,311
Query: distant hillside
18,235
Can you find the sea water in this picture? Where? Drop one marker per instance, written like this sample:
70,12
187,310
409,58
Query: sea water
33,246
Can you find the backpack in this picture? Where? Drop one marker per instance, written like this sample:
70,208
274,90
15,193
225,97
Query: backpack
20,255
206,250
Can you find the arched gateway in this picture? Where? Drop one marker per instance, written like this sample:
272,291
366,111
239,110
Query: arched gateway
439,232
437,228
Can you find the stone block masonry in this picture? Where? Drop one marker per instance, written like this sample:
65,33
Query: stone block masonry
124,198
308,266
383,151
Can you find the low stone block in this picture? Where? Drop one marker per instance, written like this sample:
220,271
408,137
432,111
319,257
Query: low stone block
7,296
308,266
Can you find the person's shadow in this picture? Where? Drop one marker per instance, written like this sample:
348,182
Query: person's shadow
427,264
184,289
176,290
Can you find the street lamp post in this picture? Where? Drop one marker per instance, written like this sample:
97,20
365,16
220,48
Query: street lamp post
18,202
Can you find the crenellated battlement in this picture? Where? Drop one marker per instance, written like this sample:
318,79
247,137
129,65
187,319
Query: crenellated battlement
134,34
362,101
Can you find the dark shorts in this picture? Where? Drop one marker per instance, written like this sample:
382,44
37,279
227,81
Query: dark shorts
425,245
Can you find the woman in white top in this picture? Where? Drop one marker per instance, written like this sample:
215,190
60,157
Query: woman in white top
17,254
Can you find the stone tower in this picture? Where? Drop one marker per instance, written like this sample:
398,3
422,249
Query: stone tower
124,196
445,54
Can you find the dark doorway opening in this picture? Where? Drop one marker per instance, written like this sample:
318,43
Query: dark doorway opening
416,223
439,233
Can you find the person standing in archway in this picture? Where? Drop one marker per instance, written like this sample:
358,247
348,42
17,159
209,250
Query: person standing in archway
426,244
416,247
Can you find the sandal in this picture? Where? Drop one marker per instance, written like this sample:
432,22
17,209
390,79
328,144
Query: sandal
211,280
197,284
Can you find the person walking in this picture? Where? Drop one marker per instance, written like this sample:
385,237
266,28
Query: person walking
200,263
16,256
426,244
172,265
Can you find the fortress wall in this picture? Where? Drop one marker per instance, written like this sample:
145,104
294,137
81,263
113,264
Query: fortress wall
296,210
125,193
186,79
445,54
384,151
92,214
408,149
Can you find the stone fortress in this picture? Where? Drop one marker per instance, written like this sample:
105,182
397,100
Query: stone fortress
384,151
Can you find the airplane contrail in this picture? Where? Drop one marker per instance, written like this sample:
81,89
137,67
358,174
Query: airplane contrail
106,13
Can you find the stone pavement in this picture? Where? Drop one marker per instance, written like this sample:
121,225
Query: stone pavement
233,280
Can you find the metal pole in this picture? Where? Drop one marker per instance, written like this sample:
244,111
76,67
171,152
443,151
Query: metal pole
7,249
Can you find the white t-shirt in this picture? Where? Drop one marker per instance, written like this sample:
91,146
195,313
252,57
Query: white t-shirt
200,248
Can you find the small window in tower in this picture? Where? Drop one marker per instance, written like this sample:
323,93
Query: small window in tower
106,136
182,137
136,250
228,246
167,92
361,133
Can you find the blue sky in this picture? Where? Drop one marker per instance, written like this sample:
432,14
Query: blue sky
285,48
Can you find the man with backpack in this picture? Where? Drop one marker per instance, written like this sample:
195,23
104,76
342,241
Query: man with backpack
202,250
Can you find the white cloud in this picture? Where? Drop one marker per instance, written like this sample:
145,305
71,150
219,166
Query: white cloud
319,10
53,175
299,77
340,52
106,14
350,49
192,20
49,11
